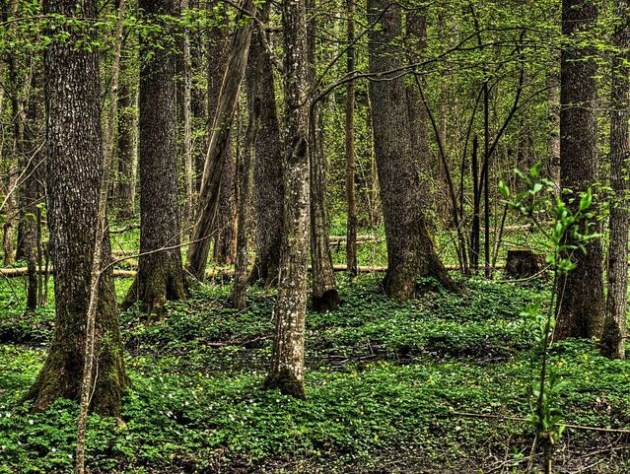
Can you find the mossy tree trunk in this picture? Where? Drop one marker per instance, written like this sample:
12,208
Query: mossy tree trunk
410,248
75,166
581,306
287,360
160,272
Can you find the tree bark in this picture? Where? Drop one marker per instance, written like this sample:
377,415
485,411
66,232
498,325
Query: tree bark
581,308
160,272
614,336
127,152
410,248
325,296
75,166
287,360
214,170
269,185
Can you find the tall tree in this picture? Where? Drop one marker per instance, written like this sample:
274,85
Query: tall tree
75,168
160,273
614,336
269,187
287,359
410,248
325,296
581,307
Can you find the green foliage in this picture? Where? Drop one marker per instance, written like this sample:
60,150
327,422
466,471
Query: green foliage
384,382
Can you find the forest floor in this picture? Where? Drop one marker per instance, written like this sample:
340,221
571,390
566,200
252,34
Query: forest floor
439,385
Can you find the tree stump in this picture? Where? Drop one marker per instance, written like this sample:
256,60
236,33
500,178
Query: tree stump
523,263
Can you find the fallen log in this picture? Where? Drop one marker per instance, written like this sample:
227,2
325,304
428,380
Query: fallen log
223,273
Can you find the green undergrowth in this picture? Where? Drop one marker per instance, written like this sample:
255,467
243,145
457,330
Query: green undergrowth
440,384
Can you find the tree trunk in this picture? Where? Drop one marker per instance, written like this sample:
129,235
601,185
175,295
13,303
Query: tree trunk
287,359
160,272
244,199
614,336
269,187
553,143
214,169
75,166
127,152
581,307
410,248
31,192
325,296
189,175
351,226
224,232
415,26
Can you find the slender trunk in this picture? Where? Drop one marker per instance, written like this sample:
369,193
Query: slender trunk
410,247
287,360
553,142
11,208
614,336
325,296
75,170
189,175
214,169
160,273
31,192
581,306
351,233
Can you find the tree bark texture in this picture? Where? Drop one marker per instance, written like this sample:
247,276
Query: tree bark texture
614,335
410,248
160,272
269,185
581,305
75,165
287,360
216,158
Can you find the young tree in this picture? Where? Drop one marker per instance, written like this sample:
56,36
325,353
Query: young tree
580,299
287,359
614,336
160,272
75,167
410,249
